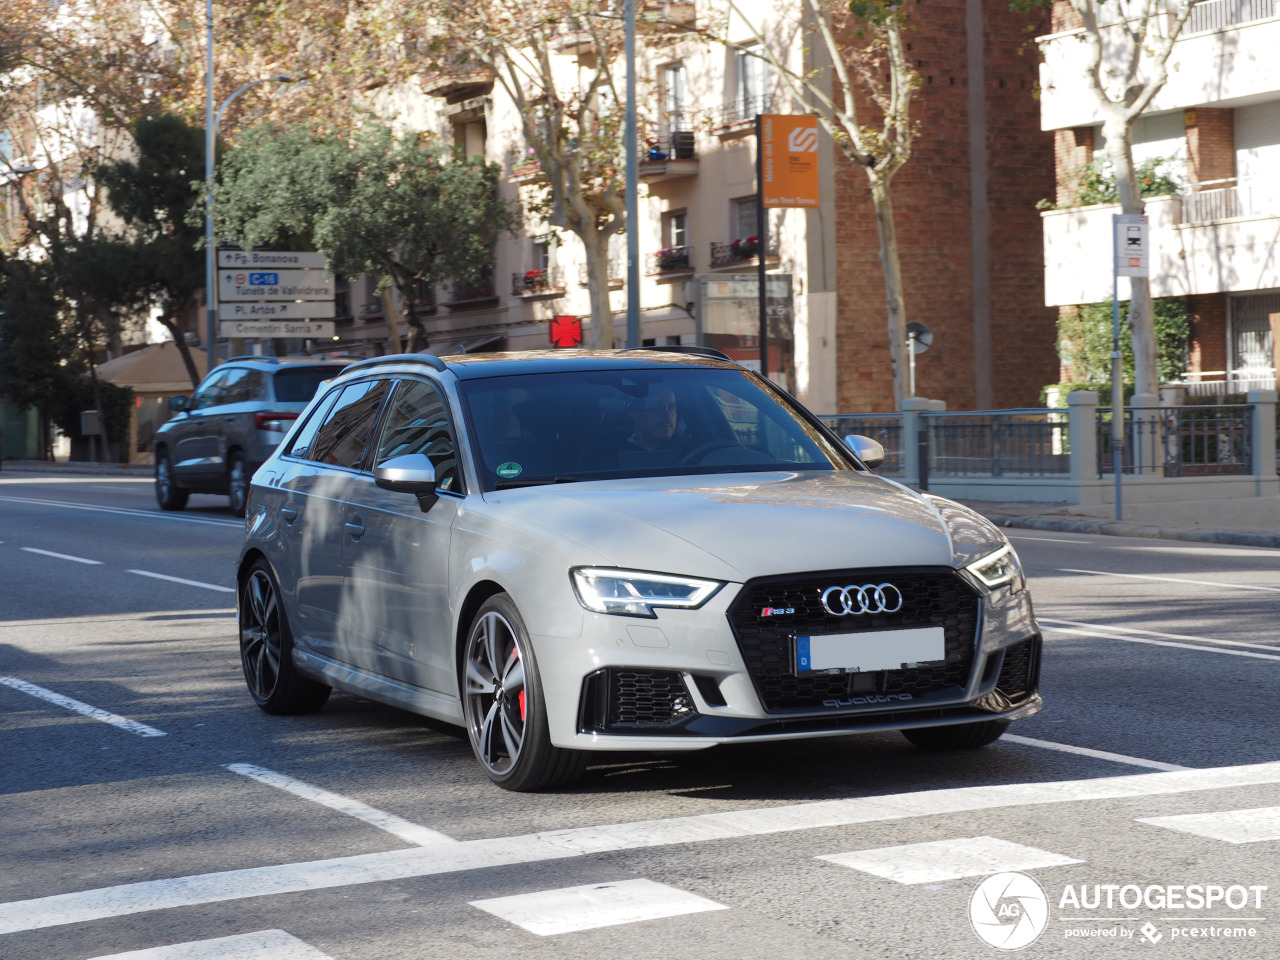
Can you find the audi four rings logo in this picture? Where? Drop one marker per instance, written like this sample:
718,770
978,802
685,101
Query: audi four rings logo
868,598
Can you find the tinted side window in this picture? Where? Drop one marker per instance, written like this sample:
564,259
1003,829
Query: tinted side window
299,384
207,393
306,436
418,423
242,386
348,426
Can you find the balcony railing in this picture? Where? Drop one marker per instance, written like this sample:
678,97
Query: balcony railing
1247,199
739,112
740,251
470,295
665,16
548,282
681,145
669,260
1220,14
616,269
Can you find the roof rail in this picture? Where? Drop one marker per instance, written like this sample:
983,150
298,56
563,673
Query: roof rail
250,356
690,348
435,363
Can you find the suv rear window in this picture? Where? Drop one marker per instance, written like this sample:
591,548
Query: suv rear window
299,384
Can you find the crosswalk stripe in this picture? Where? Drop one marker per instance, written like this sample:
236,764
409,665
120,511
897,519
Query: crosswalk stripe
1233,826
940,860
262,945
595,905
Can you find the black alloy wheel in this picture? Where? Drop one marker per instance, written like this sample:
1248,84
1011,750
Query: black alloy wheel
266,649
238,484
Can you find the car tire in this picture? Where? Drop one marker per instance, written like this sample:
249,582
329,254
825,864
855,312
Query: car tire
237,484
959,736
504,707
169,495
266,649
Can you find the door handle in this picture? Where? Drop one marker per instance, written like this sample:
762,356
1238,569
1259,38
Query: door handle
289,514
355,528
229,419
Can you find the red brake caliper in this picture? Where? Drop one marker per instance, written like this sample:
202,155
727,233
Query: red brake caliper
522,706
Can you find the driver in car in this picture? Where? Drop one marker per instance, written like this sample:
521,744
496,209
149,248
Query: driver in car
653,422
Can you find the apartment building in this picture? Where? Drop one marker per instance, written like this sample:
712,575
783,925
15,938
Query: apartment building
1217,241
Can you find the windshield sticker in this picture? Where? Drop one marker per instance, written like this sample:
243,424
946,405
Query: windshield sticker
509,470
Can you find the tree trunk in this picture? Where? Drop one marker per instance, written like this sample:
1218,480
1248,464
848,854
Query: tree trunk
417,332
596,247
180,341
393,329
897,308
1119,136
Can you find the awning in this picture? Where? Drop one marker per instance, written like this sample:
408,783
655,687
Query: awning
156,370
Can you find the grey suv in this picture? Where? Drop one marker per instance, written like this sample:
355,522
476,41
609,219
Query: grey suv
641,550
231,424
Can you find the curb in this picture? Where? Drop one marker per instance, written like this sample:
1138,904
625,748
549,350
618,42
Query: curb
93,469
1121,528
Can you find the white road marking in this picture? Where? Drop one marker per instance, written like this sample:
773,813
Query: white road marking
1233,826
61,556
1197,583
1163,643
1050,540
409,832
1166,636
1095,754
75,706
595,905
131,898
127,512
262,945
183,580
940,860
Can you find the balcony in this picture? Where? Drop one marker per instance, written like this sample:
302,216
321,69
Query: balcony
1221,240
524,171
617,273
538,284
669,158
741,253
669,262
573,40
738,118
471,296
458,82
658,17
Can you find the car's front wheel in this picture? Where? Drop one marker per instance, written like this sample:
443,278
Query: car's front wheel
266,649
960,736
504,708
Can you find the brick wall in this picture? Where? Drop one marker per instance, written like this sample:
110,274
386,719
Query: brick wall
1072,149
1207,349
932,204
1211,144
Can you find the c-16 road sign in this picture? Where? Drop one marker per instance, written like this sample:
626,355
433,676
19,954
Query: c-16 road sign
246,285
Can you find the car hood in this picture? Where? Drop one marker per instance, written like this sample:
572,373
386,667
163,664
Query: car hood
736,527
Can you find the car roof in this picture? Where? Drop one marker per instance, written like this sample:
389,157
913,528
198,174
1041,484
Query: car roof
478,366
277,363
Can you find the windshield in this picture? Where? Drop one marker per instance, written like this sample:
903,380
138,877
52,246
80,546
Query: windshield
605,424
299,384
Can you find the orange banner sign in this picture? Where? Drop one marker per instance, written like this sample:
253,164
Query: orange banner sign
789,158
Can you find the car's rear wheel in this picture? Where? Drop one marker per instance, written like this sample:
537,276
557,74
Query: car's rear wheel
237,484
169,495
266,649
503,705
960,736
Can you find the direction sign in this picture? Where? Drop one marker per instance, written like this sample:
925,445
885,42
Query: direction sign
272,259
1132,245
280,310
272,328
274,285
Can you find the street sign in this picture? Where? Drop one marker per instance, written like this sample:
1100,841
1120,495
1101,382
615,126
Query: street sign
271,328
1132,244
789,160
279,310
274,285
272,259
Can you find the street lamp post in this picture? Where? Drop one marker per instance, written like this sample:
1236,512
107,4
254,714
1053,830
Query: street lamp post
633,204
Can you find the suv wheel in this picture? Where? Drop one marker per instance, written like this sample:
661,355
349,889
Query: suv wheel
169,495
502,702
237,484
266,649
960,736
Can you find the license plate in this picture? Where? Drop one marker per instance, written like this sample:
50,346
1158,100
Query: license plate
869,652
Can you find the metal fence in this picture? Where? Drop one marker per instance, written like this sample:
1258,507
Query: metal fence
1244,199
1195,441
998,443
1220,14
885,429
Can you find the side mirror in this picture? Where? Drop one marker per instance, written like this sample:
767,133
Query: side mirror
869,451
411,473
177,404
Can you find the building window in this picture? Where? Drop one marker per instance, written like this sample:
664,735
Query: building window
675,111
676,234
753,82
744,218
542,252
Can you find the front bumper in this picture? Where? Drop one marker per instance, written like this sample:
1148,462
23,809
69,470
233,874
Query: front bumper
681,682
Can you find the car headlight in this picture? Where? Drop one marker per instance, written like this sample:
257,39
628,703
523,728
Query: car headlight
979,547
632,593
999,568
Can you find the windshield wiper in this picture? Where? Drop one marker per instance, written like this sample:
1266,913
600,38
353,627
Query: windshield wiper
532,482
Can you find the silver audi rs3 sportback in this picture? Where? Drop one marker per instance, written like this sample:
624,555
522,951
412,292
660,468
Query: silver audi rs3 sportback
647,550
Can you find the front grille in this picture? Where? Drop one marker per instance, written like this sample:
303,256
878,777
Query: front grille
648,698
1020,670
929,598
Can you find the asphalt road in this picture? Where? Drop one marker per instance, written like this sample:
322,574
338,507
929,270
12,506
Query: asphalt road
180,821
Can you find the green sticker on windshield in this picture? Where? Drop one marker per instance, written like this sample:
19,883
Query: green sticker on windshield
509,469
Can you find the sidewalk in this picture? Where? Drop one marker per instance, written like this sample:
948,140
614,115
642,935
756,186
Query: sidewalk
63,467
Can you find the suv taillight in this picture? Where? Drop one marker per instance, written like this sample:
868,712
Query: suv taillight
273,421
